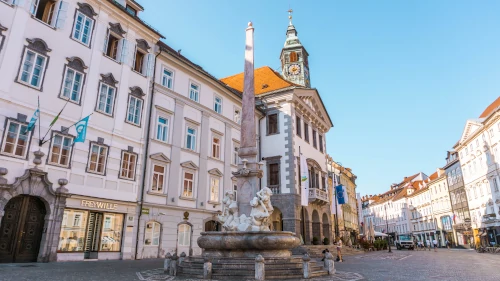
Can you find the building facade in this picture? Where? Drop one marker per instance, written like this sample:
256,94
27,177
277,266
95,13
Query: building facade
441,208
79,58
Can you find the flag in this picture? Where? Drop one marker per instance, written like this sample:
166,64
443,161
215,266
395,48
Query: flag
304,181
55,118
33,120
346,196
81,129
339,189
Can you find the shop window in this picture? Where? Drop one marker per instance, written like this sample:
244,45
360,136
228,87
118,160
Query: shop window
73,230
111,235
184,235
152,234
16,139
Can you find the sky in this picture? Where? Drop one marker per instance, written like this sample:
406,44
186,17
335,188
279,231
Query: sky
399,78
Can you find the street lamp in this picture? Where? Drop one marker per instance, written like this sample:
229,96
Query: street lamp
387,227
337,230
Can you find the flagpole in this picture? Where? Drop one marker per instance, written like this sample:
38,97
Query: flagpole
69,127
39,126
54,121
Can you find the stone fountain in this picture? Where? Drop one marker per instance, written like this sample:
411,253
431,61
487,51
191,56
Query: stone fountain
247,248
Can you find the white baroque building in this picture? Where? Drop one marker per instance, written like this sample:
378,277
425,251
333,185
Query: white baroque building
88,57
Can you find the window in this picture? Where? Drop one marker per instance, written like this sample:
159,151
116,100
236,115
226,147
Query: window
111,238
167,79
43,10
72,85
131,10
272,124
216,148
98,157
495,184
128,165
194,92
162,129
236,158
77,220
32,70
60,150
187,190
306,132
237,116
134,110
106,99
191,138
298,126
274,172
184,237
111,47
82,30
158,179
314,139
139,61
214,189
471,146
16,139
492,134
466,151
152,234
321,143
477,143
218,104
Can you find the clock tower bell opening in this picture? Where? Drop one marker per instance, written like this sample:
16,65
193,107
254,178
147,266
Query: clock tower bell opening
294,57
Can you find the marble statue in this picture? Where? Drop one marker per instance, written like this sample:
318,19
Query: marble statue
259,214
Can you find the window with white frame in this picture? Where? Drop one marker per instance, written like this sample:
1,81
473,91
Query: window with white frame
216,147
184,235
158,180
139,59
194,92
72,85
113,45
191,138
188,184
51,12
236,157
106,99
152,234
162,129
32,69
129,161
16,139
167,78
60,150
237,116
82,29
214,189
134,110
218,104
97,158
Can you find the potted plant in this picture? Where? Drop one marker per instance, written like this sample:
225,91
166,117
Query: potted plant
326,241
315,240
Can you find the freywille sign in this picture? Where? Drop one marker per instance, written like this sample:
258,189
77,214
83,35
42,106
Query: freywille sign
99,205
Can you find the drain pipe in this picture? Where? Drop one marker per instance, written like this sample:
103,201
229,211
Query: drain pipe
146,153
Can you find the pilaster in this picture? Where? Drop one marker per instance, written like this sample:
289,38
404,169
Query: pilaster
175,172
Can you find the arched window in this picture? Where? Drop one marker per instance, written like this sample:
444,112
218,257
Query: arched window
293,57
184,235
152,234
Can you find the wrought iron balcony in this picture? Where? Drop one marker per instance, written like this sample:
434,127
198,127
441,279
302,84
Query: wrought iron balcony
318,196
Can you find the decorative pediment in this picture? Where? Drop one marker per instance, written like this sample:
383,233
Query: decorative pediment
136,91
109,79
86,9
117,28
215,172
470,127
76,63
143,45
38,45
189,165
159,157
314,107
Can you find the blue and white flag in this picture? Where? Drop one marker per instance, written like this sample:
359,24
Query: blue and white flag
304,181
339,189
33,120
81,129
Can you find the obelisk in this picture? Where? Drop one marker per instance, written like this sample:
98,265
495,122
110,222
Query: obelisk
248,171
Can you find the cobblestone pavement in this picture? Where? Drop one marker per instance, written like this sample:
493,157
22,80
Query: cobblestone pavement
445,265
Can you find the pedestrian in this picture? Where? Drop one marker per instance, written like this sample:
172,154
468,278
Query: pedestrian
324,252
435,243
447,244
339,251
428,244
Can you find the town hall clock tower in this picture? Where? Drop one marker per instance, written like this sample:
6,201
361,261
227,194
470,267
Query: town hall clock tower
294,58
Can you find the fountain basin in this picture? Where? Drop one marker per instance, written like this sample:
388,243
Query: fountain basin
248,244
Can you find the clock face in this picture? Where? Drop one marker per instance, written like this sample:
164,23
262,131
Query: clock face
294,69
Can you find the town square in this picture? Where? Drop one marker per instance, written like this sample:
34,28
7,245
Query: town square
208,140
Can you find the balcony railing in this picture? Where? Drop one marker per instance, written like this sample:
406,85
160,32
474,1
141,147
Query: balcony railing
318,196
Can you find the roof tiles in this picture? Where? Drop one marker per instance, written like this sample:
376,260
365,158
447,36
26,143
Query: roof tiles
490,108
265,80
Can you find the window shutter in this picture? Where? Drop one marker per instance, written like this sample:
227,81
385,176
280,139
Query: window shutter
105,46
150,64
132,56
123,47
61,14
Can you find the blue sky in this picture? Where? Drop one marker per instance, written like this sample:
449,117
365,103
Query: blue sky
399,78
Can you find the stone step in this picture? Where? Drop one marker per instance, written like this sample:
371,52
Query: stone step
319,273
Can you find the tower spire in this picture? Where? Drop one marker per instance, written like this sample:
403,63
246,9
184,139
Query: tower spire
290,11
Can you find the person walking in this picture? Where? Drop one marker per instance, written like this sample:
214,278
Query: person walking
435,243
428,244
447,244
339,251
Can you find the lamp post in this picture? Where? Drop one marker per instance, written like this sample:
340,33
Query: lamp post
387,227
337,231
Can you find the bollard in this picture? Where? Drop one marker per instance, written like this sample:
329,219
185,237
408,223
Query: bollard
260,272
166,263
329,264
173,265
207,268
305,265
